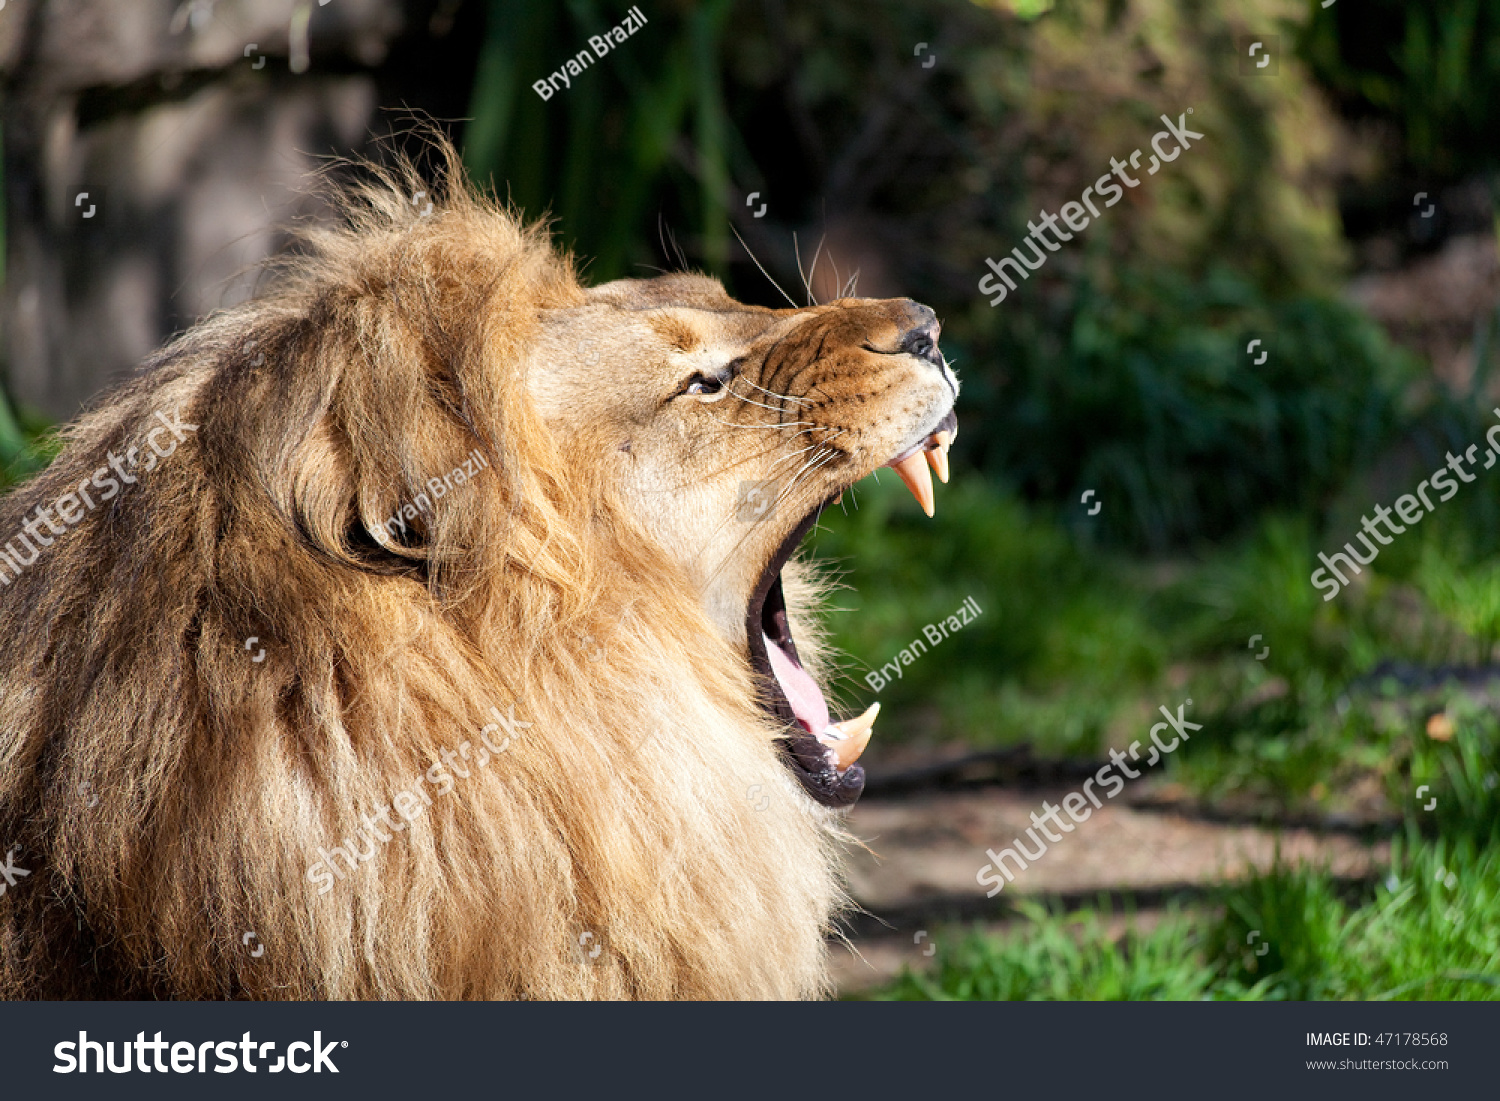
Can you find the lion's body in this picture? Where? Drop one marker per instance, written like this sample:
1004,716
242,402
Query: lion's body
207,686
400,634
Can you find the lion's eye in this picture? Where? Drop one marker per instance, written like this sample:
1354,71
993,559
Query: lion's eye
707,387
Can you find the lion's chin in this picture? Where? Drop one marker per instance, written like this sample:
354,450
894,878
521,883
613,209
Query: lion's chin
821,753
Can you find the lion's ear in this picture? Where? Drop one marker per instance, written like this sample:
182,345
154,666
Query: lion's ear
355,524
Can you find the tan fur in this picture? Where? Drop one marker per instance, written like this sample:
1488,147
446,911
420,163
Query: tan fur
169,794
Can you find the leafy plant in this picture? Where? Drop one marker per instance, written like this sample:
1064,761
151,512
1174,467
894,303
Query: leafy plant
26,443
1155,398
1432,67
646,131
1462,772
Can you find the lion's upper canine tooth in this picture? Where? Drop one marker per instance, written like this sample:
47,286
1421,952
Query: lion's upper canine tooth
913,471
848,739
937,454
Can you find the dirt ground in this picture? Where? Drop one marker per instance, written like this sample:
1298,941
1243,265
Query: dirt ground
922,854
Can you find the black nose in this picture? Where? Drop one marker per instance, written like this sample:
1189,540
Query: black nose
921,338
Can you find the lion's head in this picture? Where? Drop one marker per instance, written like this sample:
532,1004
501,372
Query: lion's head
443,643
725,429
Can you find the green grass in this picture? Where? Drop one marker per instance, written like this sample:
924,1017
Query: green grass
1430,930
1065,958
1079,645
1054,617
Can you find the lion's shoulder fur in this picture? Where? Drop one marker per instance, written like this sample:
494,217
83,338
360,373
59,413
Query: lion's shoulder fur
222,672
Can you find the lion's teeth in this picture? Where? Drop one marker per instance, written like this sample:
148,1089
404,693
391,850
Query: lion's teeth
937,455
914,472
847,740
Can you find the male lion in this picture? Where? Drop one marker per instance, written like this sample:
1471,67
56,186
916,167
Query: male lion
418,630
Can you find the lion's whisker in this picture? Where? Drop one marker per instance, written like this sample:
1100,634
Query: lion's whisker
805,450
792,438
812,269
815,443
761,405
781,496
774,394
790,301
819,444
797,254
697,477
757,455
666,235
810,467
741,424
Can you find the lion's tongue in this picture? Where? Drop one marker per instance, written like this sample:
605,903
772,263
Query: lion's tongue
801,691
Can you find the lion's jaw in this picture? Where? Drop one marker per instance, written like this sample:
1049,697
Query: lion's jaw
727,428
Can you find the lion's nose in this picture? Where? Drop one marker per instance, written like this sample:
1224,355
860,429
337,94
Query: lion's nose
921,333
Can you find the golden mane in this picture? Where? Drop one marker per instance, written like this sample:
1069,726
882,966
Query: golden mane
222,671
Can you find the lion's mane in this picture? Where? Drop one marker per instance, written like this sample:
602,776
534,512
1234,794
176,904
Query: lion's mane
168,788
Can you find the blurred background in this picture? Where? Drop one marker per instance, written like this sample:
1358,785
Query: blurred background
1334,828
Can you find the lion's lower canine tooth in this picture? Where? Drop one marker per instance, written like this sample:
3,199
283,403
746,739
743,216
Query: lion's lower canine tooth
849,738
913,471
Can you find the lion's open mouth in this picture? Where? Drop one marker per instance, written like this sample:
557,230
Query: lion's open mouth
822,753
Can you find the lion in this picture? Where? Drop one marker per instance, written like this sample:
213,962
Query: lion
427,628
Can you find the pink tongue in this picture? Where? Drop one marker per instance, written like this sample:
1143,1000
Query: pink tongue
800,689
